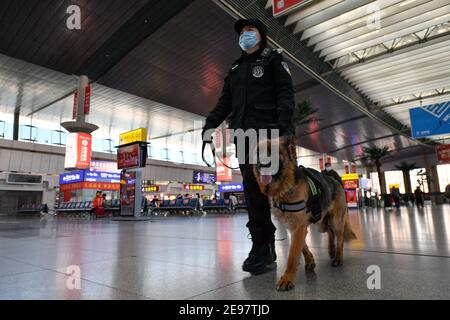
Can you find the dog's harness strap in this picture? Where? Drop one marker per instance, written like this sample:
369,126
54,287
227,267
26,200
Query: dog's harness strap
312,186
290,207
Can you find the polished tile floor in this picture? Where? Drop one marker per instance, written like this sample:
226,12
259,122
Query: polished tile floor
200,258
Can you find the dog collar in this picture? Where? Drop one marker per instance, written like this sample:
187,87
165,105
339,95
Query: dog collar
290,207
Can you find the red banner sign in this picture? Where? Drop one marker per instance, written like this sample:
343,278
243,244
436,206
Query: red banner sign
223,173
443,153
78,151
75,104
87,99
283,6
90,185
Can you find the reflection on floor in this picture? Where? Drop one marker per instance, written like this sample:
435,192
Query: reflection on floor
200,258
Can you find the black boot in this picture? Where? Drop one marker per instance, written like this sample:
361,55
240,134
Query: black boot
262,256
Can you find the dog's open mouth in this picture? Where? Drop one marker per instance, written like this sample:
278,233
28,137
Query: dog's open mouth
265,179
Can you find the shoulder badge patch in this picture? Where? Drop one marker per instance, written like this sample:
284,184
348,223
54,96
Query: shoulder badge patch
266,53
258,71
279,50
286,67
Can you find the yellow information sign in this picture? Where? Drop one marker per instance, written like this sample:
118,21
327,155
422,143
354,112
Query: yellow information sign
138,135
350,176
394,185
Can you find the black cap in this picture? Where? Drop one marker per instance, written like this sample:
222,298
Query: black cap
241,23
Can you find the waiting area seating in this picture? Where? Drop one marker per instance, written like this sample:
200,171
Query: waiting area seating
72,209
220,205
84,208
241,205
32,208
188,206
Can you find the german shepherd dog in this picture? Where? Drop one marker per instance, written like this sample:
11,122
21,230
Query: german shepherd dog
290,185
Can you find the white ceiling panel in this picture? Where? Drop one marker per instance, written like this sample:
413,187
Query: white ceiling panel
403,58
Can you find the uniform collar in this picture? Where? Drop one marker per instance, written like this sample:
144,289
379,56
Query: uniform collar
254,54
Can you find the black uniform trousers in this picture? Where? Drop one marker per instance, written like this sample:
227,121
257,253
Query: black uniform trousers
259,217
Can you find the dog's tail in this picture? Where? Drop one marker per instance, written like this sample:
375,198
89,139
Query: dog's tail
348,232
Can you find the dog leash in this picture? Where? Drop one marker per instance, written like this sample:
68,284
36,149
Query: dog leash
213,150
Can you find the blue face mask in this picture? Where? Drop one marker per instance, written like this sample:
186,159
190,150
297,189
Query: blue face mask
248,40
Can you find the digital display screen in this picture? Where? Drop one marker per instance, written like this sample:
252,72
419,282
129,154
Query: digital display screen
194,187
204,177
128,156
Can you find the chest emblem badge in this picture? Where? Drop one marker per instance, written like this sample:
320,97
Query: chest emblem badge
258,71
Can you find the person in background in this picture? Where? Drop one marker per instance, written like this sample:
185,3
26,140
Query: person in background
179,196
396,195
331,173
200,202
418,194
97,203
155,202
233,201
106,203
447,191
98,200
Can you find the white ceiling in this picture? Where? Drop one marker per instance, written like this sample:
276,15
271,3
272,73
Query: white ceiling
399,63
32,87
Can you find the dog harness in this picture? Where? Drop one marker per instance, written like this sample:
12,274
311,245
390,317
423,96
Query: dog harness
290,207
296,206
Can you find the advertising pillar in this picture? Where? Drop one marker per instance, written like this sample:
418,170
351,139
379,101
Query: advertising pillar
131,158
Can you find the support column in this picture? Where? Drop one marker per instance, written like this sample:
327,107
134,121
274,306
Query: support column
434,185
16,125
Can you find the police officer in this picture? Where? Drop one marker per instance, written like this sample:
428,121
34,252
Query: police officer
257,94
331,173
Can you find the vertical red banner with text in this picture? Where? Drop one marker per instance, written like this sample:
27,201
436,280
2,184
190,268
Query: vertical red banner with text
75,103
87,99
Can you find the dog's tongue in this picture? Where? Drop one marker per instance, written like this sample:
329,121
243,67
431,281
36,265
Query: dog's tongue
266,179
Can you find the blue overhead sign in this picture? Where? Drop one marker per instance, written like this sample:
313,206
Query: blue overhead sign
88,176
231,187
107,177
71,177
431,120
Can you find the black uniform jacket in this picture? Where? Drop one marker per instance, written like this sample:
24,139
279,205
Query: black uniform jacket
257,93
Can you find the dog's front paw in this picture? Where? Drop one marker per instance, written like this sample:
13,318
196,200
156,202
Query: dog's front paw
332,253
336,262
285,283
309,267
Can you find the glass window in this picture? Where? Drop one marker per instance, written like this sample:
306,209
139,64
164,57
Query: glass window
58,137
28,133
443,171
394,178
2,128
165,153
415,180
375,182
